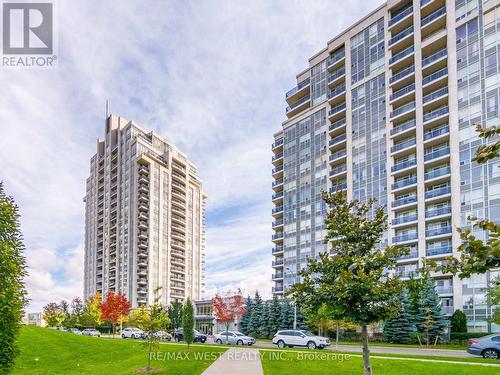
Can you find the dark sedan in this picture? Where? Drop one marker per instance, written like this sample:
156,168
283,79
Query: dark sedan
198,337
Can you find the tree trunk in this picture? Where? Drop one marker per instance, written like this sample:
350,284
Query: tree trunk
366,351
227,333
337,337
149,354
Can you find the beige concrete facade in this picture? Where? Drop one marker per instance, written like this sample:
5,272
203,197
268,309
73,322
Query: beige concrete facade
144,218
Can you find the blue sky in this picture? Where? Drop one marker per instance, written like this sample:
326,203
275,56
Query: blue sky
208,75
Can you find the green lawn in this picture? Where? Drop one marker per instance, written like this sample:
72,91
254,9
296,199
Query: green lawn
385,344
289,363
45,351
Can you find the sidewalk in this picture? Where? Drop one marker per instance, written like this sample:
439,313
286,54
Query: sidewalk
237,361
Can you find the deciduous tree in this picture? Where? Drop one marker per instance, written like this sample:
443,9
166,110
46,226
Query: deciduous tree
458,321
115,309
93,310
175,314
228,308
53,314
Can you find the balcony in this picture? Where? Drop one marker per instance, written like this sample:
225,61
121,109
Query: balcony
336,92
277,183
143,236
336,110
401,35
410,124
436,154
277,237
436,132
439,251
338,155
298,105
277,223
337,140
445,190
142,244
432,17
277,157
338,187
438,212
443,171
277,144
299,88
406,108
339,170
402,145
436,94
445,289
277,289
400,15
337,125
412,180
438,231
404,201
277,250
402,92
401,74
336,75
434,76
436,113
401,55
277,262
277,210
405,237
277,196
411,255
142,281
278,170
178,201
403,219
441,54
403,165
335,58
278,276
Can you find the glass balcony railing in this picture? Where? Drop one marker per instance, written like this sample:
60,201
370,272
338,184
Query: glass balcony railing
277,276
277,223
431,17
437,192
437,231
335,57
278,169
277,249
424,2
336,74
277,209
401,55
277,262
403,126
400,15
402,73
401,92
437,173
337,139
277,156
404,219
277,236
438,211
337,124
338,154
439,251
402,109
404,182
443,91
405,237
337,109
431,115
299,87
277,289
436,154
339,186
412,254
401,35
404,164
277,182
435,56
298,103
279,142
405,200
337,91
434,76
338,170
277,195
433,133
402,145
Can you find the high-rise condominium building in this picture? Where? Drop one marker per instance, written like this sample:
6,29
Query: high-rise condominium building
144,218
387,110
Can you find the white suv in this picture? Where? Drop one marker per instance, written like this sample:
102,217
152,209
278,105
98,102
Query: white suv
132,333
294,337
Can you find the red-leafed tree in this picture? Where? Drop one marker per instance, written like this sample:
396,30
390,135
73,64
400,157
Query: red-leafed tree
228,309
115,308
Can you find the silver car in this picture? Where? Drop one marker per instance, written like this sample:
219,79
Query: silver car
91,332
233,337
487,346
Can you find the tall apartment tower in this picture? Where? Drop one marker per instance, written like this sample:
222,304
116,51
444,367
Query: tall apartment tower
387,110
144,218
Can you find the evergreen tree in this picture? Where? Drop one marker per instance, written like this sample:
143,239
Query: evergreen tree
264,318
188,322
301,320
458,322
255,321
429,318
286,317
274,316
398,329
245,319
175,314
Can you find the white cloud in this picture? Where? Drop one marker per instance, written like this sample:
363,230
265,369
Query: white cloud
209,75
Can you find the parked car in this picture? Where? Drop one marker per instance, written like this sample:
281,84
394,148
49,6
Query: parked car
487,346
162,335
62,329
75,331
233,337
91,332
198,337
132,333
294,337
